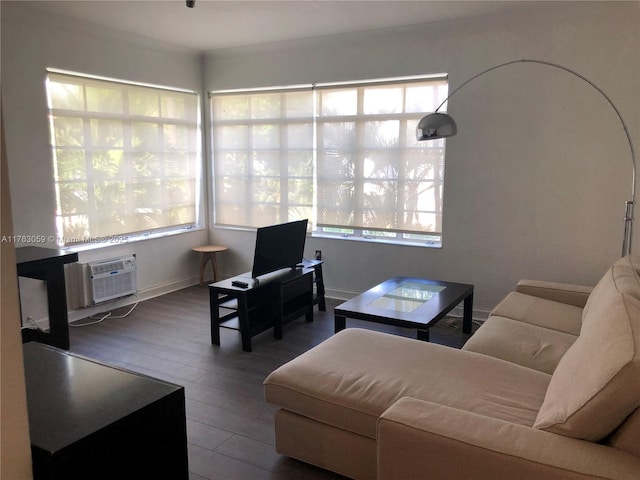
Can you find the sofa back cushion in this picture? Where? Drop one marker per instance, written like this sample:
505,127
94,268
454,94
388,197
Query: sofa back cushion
596,384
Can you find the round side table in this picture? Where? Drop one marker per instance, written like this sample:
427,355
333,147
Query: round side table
209,253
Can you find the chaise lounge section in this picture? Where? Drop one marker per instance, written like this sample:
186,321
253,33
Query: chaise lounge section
547,388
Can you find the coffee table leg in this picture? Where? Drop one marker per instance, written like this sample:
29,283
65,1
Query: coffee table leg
340,323
467,319
423,335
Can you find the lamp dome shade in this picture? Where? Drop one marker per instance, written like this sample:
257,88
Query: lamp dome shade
436,125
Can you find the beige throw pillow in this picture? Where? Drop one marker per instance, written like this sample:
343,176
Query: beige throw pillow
596,384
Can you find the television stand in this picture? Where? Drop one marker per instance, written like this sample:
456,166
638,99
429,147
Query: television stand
269,303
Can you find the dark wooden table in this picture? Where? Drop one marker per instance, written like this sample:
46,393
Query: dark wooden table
88,420
48,264
408,302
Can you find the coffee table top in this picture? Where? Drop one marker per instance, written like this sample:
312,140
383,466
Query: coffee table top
406,301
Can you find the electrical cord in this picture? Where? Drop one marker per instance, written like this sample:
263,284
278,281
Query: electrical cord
104,316
34,324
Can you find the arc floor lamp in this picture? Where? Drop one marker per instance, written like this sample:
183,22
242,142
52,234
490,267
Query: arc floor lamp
440,125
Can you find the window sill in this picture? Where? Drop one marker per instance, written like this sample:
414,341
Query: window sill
119,240
388,241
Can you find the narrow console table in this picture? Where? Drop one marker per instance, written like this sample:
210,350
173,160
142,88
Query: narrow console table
48,264
88,420
271,302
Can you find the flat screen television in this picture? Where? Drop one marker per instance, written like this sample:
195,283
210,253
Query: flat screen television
279,246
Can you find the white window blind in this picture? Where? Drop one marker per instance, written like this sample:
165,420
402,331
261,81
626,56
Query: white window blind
263,150
371,171
126,157
343,155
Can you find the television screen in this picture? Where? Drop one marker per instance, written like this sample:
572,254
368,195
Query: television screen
279,246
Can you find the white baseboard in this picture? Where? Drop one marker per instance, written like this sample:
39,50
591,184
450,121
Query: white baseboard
146,294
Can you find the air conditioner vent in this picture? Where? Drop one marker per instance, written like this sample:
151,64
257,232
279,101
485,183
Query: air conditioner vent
113,278
107,267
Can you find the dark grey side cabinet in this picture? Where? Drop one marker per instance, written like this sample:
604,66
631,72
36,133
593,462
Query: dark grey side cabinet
88,420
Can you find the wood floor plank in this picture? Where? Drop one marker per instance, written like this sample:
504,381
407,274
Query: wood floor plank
229,424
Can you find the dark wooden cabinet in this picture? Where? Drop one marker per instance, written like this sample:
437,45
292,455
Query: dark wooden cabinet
88,420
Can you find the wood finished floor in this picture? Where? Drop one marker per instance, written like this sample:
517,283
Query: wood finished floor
229,425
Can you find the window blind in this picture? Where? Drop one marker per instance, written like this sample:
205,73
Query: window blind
371,171
126,157
343,155
263,150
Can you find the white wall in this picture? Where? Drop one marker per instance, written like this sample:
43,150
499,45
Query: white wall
541,199
30,44
537,177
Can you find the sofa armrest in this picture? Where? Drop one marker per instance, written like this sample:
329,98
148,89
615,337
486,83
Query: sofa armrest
570,294
419,439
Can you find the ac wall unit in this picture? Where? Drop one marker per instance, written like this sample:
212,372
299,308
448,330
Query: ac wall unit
114,278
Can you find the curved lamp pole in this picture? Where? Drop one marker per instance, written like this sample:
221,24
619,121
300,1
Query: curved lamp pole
440,125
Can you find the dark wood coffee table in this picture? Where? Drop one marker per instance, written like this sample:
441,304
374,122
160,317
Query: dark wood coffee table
408,302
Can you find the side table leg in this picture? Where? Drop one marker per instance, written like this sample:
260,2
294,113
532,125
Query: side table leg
203,265
467,314
340,323
214,263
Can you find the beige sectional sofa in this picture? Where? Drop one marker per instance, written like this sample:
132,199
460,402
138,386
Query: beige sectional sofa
547,388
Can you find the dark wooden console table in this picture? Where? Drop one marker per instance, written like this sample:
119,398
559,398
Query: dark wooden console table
269,303
48,264
88,420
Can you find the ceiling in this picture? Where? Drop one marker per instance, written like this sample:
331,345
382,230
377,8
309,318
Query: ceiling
216,24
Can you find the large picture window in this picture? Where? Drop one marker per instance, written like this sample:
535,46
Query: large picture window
126,157
343,155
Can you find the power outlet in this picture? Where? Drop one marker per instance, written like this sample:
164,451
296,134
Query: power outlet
318,254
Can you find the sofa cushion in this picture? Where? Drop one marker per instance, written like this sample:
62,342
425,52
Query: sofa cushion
521,343
571,294
542,312
625,273
627,436
350,379
596,384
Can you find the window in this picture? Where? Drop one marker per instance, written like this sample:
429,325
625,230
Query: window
126,157
263,150
342,155
374,179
